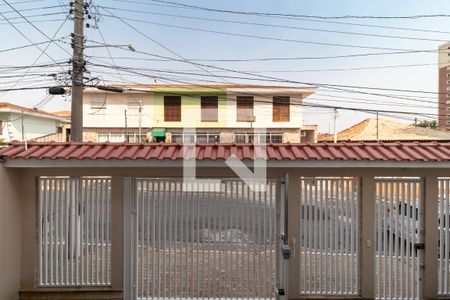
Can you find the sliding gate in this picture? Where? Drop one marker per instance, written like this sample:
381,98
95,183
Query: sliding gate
215,239
399,241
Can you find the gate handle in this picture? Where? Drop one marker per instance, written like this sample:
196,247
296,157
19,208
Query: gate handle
419,246
281,292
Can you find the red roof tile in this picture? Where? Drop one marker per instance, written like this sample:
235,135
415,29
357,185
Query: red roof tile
411,151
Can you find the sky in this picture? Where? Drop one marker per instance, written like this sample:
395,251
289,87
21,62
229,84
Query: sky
188,34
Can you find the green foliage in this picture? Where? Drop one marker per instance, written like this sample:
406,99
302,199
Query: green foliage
427,124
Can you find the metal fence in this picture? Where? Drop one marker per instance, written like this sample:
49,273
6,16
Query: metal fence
398,229
444,232
212,240
329,232
74,231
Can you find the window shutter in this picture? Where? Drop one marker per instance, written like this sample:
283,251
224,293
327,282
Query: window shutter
209,108
244,108
281,109
172,108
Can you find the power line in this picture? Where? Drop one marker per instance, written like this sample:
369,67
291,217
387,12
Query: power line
306,70
200,85
27,9
294,15
306,19
40,55
257,36
21,2
275,25
267,77
35,21
153,76
276,79
34,26
28,45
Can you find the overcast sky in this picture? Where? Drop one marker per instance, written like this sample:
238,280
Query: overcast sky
179,36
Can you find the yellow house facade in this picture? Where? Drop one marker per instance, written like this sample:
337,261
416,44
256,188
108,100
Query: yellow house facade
211,113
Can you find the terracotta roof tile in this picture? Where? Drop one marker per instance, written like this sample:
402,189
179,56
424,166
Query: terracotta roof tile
369,151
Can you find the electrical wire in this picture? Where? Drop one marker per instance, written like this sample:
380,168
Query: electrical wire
260,37
305,19
272,25
28,45
40,55
35,27
300,15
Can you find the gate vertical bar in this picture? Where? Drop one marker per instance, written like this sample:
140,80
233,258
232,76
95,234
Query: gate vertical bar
431,210
129,237
367,221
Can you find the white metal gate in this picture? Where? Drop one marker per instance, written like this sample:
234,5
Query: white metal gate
329,232
211,240
444,236
399,238
74,231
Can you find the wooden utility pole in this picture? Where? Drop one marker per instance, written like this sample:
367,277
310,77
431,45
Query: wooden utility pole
127,139
378,128
335,133
76,130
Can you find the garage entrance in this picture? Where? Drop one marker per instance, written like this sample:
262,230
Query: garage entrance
205,239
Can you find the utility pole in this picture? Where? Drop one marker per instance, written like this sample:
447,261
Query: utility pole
140,121
378,128
23,127
76,131
24,137
127,139
335,124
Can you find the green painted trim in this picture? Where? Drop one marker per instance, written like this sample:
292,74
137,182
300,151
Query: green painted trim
158,132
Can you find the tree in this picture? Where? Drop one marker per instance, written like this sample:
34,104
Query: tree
427,124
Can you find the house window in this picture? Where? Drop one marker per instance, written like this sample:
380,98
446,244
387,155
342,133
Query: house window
209,108
172,108
205,137
276,138
244,138
280,111
248,138
133,105
244,108
97,106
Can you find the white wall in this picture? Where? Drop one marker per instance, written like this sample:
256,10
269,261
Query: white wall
114,114
10,233
34,126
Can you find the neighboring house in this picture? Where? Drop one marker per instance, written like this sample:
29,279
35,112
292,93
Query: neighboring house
218,113
18,123
387,131
444,86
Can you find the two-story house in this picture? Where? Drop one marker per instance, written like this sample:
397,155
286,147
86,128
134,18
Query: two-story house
218,113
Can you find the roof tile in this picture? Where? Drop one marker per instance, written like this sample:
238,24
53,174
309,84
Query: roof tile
368,151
